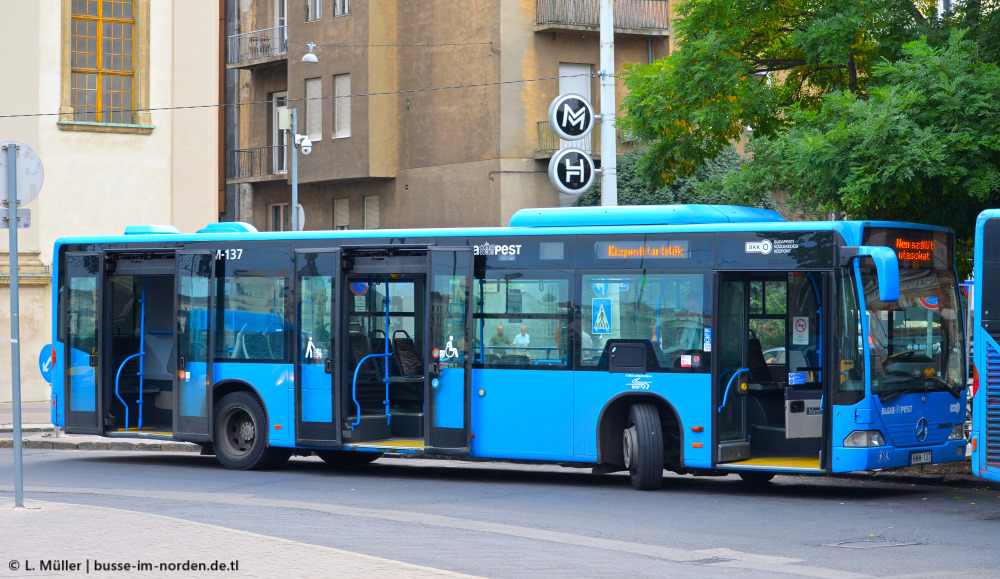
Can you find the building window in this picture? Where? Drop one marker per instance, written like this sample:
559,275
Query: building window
371,211
314,109
341,106
314,9
106,56
281,217
341,7
341,213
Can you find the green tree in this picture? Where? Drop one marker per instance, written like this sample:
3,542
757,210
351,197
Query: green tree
742,63
923,146
704,185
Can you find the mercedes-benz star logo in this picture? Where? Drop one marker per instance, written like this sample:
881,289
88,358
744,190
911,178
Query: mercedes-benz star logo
922,430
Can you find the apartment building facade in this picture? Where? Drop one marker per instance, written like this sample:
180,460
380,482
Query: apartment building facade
421,114
119,98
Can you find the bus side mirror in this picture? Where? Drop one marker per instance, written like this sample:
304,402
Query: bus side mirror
886,267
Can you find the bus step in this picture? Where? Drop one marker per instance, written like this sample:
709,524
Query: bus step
370,427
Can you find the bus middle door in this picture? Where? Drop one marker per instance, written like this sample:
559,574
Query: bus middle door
449,379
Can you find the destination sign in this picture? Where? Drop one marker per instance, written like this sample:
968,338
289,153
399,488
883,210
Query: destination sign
633,249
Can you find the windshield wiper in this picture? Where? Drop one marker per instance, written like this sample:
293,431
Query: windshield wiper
935,379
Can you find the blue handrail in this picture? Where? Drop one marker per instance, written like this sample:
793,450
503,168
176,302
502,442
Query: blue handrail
117,376
142,345
354,386
726,396
385,349
140,354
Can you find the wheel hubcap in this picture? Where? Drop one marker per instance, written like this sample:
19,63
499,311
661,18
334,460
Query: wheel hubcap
628,446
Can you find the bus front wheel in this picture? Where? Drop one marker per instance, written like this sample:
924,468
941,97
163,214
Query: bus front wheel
642,444
241,434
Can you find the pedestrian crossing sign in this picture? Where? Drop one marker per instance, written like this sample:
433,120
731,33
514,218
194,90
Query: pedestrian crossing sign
601,316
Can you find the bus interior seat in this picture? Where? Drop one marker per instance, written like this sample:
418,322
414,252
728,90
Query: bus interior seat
276,344
360,347
756,364
406,354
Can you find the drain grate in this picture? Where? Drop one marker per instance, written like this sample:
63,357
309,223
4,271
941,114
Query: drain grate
871,543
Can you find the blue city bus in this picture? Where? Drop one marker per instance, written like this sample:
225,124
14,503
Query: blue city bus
619,339
985,436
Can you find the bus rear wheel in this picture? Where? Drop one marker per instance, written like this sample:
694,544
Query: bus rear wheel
347,458
241,434
642,444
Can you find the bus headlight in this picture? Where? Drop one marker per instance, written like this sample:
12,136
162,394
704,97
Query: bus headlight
864,438
957,433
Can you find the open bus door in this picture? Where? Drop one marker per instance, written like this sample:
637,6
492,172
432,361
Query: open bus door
193,345
318,278
771,410
81,313
449,378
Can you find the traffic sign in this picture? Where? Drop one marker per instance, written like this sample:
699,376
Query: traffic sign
29,173
23,219
571,171
571,117
45,362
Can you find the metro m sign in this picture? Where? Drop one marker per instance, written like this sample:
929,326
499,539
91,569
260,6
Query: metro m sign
571,117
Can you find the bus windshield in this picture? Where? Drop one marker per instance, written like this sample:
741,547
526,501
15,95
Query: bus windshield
915,343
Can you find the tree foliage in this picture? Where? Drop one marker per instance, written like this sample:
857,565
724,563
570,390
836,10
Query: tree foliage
924,145
704,185
877,109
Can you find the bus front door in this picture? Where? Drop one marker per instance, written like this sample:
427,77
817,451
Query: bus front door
449,359
81,313
770,385
193,346
318,278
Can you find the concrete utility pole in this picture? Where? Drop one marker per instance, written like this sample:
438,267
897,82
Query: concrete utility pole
609,152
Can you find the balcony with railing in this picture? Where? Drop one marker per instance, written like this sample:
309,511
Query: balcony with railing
642,17
257,164
549,142
258,47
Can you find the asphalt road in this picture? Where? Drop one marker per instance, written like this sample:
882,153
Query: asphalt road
510,520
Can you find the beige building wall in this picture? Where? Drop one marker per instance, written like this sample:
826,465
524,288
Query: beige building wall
96,183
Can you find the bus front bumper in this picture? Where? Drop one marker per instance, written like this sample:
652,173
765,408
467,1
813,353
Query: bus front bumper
848,459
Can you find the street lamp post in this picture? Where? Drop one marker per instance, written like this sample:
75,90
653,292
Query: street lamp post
295,170
299,142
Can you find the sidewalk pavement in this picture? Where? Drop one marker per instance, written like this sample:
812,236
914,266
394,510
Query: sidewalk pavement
52,540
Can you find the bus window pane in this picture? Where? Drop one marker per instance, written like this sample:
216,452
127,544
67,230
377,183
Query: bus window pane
314,318
522,321
850,387
666,309
252,319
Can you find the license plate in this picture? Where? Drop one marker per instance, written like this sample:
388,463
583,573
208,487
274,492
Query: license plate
920,457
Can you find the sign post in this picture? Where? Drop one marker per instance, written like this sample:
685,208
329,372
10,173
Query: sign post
17,193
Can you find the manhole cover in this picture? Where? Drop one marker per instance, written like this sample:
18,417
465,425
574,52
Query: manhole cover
872,543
